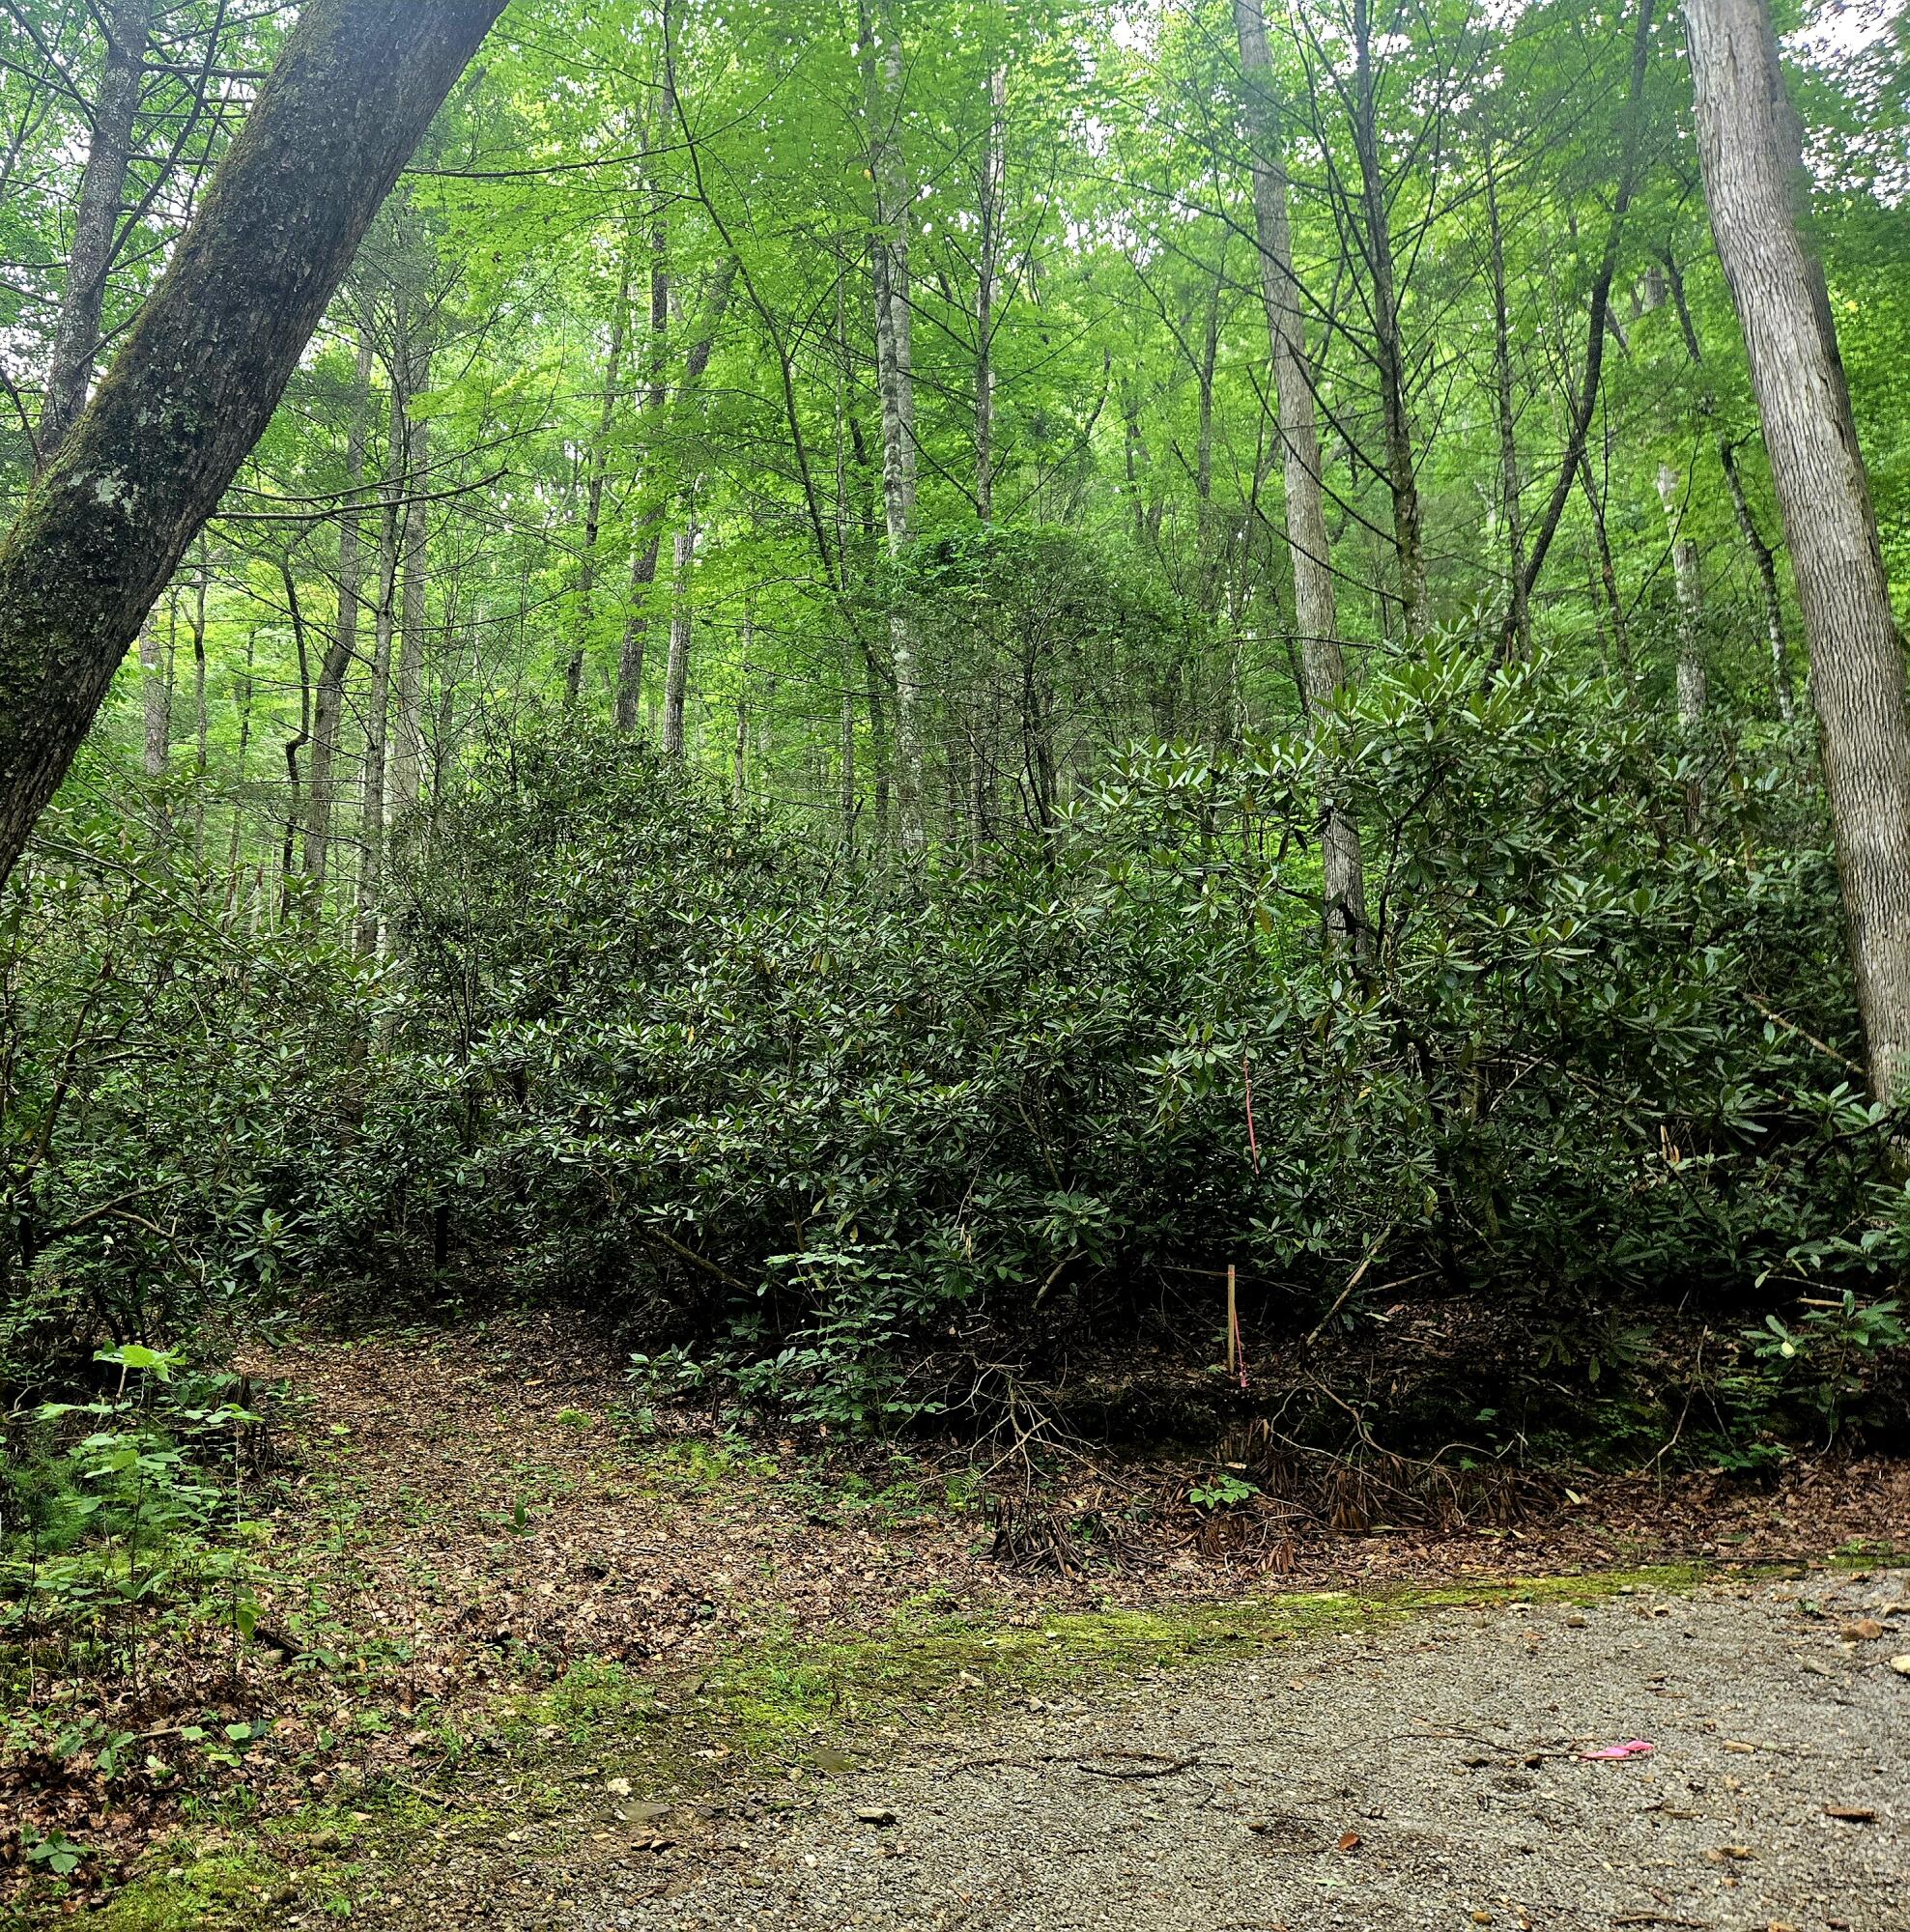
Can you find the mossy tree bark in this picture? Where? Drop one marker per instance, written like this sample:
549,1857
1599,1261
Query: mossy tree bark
105,524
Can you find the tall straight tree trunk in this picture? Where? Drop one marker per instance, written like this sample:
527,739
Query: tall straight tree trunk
128,23
102,529
1690,592
593,491
994,172
328,701
1750,145
676,672
647,538
1316,612
895,362
408,766
374,798
1389,353
201,723
1519,603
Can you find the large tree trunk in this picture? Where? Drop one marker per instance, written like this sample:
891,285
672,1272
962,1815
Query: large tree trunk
101,190
105,524
1317,614
1750,146
329,702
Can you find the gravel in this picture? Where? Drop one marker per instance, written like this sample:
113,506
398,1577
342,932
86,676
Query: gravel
1427,1775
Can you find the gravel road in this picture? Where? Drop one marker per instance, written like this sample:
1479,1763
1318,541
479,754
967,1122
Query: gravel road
1426,1774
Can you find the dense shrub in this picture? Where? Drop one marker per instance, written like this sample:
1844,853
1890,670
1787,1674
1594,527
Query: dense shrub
1592,1050
636,1048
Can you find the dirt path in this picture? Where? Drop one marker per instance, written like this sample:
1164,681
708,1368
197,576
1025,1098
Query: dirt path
1421,1774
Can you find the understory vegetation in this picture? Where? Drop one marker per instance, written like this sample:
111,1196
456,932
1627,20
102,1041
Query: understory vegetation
875,1149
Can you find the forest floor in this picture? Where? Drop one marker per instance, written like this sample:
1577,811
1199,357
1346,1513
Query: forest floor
529,1657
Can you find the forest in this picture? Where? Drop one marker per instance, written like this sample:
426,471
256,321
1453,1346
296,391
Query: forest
1091,809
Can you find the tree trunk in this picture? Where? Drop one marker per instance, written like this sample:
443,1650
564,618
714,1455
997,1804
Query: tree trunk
896,378
1598,314
156,693
101,190
408,766
1608,572
593,493
1691,599
329,702
994,169
648,542
647,537
1519,603
676,672
1765,561
1389,353
202,750
372,809
1749,147
1315,605
104,526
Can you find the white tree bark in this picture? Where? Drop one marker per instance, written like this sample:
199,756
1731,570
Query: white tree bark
1749,147
1316,610
1690,591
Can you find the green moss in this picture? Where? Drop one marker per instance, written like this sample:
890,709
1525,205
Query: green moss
197,1894
802,1704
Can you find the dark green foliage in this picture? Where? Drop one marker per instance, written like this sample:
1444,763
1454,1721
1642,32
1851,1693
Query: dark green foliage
826,1121
857,1137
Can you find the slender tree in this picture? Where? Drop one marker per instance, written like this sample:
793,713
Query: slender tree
1316,604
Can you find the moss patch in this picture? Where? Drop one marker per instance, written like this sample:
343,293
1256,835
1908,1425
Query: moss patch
222,1890
795,1704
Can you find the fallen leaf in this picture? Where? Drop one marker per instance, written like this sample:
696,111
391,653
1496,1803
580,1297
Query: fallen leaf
1901,1664
1865,1629
1851,1814
1348,1841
